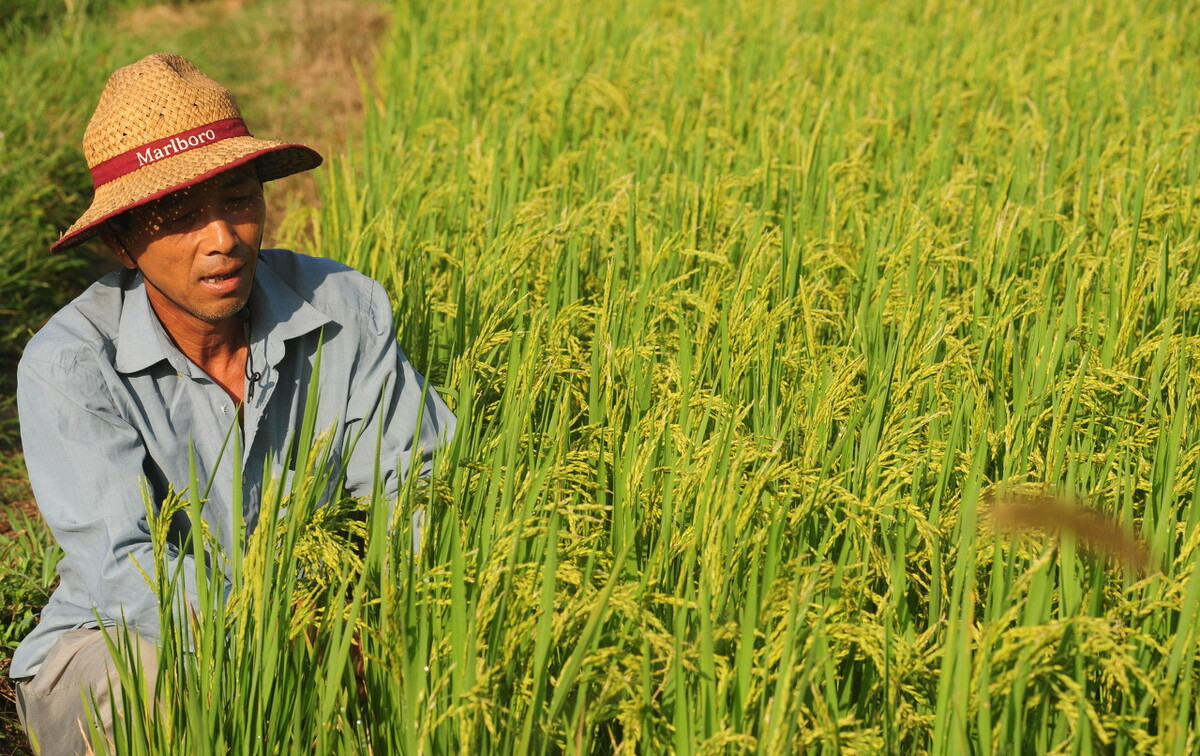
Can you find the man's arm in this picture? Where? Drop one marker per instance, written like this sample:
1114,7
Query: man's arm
86,467
391,402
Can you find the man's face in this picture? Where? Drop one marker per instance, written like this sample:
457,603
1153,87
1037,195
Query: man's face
197,248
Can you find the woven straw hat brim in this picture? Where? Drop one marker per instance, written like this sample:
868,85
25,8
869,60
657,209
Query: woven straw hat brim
170,174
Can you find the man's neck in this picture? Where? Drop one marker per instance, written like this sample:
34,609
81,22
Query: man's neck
219,349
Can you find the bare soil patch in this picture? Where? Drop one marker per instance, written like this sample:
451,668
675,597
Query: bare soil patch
15,495
12,738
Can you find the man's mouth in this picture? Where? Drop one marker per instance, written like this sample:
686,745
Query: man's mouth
226,283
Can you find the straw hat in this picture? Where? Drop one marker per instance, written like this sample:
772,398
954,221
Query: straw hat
160,126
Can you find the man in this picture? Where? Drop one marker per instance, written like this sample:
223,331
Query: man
199,334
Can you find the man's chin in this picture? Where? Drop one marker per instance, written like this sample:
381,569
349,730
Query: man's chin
223,313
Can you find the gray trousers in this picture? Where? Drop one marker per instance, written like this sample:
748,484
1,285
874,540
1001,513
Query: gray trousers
51,704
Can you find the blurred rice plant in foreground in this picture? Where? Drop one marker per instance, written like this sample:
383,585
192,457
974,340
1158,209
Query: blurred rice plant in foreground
746,310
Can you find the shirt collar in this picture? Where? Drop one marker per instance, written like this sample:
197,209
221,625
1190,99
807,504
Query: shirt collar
141,340
274,305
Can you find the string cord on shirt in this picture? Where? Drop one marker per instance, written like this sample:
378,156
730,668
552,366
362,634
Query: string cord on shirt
252,375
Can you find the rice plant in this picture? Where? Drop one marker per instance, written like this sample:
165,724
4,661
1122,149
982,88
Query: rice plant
751,313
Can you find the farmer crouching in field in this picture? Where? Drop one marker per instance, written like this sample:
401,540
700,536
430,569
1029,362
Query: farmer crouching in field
200,332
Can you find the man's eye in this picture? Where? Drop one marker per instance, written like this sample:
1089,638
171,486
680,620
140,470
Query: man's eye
243,199
179,220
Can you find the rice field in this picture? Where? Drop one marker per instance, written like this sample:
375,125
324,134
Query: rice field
757,316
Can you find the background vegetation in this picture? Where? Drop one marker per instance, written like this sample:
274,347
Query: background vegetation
752,314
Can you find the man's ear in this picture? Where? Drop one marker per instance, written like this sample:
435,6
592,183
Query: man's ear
108,232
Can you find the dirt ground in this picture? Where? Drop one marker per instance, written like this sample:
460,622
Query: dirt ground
15,496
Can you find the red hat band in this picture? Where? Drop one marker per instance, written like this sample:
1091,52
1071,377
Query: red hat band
128,162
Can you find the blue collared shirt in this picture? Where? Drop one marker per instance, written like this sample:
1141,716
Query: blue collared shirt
107,404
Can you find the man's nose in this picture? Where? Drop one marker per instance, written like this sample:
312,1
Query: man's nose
221,236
